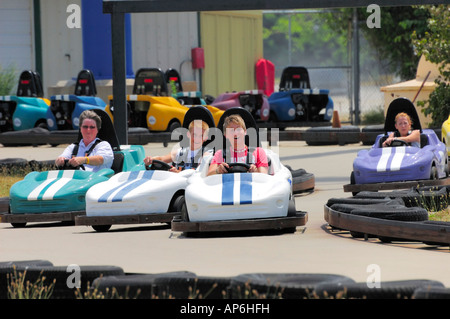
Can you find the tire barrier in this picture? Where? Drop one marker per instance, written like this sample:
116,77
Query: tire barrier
318,135
403,289
330,135
391,216
111,282
302,181
60,276
7,269
276,286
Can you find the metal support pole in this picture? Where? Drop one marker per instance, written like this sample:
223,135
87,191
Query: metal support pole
355,67
119,76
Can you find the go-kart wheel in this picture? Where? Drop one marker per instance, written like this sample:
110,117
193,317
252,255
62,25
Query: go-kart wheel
159,165
18,225
238,168
101,228
433,173
398,142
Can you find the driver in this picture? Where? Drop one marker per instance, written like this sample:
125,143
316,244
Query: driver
186,157
235,132
91,152
404,133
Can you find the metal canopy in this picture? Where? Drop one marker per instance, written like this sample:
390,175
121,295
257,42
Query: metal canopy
118,8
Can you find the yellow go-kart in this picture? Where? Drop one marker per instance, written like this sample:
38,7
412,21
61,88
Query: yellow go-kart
150,106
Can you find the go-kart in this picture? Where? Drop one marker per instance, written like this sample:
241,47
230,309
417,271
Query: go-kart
27,109
151,106
401,165
254,101
151,196
296,101
59,194
65,110
239,200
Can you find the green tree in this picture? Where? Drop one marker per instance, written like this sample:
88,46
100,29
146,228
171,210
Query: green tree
392,41
8,80
434,44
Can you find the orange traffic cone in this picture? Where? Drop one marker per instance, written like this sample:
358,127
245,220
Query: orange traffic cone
336,123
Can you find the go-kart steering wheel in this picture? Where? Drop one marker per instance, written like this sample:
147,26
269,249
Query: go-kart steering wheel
238,167
398,142
158,165
67,166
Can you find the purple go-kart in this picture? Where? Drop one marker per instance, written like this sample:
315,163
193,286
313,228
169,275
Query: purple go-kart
401,165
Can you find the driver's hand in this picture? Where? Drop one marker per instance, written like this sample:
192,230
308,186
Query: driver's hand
388,141
60,161
252,168
76,161
148,160
222,168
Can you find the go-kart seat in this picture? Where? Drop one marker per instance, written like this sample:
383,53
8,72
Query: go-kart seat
117,165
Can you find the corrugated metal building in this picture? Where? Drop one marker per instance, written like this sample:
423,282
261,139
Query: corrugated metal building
39,35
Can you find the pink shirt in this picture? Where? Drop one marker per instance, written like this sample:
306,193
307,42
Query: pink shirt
259,157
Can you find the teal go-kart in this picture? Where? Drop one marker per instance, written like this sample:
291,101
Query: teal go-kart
27,109
296,101
65,110
59,194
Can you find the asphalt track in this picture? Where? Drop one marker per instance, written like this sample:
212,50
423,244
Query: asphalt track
154,248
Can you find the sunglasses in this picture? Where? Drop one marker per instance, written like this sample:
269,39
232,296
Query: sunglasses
87,126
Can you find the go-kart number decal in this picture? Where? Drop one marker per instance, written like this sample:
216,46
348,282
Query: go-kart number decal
236,189
391,159
54,182
135,179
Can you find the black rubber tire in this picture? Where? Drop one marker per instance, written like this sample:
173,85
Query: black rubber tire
7,267
101,228
403,289
348,208
138,286
275,286
61,275
327,135
431,293
358,201
196,287
406,214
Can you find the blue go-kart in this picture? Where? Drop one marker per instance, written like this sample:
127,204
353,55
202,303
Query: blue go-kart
296,101
59,194
65,110
27,109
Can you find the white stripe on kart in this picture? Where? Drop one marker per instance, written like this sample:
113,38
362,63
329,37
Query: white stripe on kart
51,176
396,153
398,158
59,184
382,163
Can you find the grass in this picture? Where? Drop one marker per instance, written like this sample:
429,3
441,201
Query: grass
12,174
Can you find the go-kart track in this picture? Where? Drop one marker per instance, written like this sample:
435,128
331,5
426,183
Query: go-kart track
315,248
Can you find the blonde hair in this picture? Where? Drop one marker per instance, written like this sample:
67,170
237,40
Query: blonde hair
234,118
198,124
403,114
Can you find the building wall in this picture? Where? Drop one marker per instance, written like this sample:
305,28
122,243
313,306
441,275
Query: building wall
232,43
164,40
62,47
16,35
